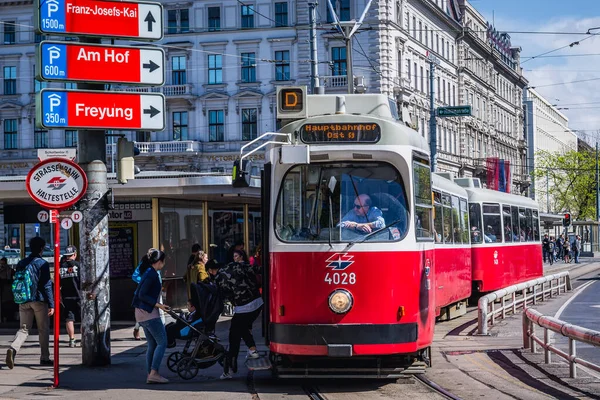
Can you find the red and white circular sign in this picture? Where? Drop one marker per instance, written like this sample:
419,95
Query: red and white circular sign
66,223
77,216
56,183
43,216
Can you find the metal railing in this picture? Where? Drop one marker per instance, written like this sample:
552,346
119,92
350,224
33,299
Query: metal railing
531,292
573,332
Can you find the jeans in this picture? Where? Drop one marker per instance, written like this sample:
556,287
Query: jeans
576,253
156,335
27,312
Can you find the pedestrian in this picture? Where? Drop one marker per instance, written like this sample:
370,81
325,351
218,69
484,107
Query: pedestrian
196,271
567,250
237,282
6,278
146,303
577,248
32,291
142,266
70,291
546,247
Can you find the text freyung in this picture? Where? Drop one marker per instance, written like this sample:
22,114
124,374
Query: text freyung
102,112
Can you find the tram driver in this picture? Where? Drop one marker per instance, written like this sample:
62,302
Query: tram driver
363,218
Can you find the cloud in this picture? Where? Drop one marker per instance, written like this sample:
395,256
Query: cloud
551,75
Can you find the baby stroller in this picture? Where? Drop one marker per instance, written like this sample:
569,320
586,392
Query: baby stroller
200,350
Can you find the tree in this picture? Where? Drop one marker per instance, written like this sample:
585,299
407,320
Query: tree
571,182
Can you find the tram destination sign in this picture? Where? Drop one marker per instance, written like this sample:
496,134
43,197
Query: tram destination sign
56,183
347,132
81,109
75,62
454,111
124,19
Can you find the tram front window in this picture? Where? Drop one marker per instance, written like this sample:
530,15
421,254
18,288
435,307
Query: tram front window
342,202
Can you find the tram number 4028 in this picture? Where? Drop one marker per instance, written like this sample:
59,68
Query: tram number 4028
340,278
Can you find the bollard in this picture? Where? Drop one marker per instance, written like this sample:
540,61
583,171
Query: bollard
503,307
525,330
514,303
547,352
572,354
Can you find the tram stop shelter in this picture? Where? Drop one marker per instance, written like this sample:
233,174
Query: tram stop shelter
588,230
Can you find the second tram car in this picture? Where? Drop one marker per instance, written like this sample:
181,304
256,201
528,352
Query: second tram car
362,246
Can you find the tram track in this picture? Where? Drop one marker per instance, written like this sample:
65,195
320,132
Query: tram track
435,387
313,393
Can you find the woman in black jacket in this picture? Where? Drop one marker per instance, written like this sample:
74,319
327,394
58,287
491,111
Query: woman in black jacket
146,303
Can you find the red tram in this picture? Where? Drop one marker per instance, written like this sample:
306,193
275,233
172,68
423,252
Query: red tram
357,268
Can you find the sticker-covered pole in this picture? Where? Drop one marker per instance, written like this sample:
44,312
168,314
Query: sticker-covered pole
56,296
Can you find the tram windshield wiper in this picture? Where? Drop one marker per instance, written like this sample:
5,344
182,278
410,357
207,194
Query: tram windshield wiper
362,239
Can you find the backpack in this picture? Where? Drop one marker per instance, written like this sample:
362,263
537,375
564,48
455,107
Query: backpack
22,287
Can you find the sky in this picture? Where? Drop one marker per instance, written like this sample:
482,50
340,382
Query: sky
580,101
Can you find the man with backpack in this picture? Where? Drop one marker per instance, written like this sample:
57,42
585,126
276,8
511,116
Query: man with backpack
32,291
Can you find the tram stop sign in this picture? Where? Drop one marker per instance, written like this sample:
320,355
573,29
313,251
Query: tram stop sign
56,183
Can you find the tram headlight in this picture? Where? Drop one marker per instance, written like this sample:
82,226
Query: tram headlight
340,301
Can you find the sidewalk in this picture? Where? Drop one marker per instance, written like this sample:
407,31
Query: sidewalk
125,377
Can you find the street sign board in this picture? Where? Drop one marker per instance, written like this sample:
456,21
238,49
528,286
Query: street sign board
122,19
454,111
44,154
56,183
81,109
78,62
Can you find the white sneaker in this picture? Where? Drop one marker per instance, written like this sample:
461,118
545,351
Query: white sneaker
253,354
225,375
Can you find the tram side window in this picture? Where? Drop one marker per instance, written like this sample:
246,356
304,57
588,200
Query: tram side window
507,219
423,201
457,232
522,224
447,203
536,226
464,221
515,223
491,222
529,230
437,222
475,220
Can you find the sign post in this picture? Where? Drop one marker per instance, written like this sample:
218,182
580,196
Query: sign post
454,111
56,183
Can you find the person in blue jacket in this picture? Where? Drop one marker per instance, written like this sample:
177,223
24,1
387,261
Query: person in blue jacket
146,304
39,305
137,277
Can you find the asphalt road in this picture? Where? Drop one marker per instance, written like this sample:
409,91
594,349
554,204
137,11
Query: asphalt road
583,310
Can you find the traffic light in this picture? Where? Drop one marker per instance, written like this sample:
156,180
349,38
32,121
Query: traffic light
126,168
567,220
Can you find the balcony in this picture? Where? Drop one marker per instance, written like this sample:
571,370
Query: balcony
334,81
167,90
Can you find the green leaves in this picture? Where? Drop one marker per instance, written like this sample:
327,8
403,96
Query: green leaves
570,180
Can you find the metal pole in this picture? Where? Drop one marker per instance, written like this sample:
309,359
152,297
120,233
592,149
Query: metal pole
432,120
548,192
597,188
56,297
314,70
349,72
93,235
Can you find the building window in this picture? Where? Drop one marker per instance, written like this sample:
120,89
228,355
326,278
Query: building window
71,138
214,19
10,80
343,11
247,16
437,43
180,125
442,53
420,31
282,65
422,77
338,57
416,82
9,32
178,21
143,136
426,35
178,74
281,14
248,67
40,139
215,69
414,26
249,124
10,134
38,85
70,85
216,126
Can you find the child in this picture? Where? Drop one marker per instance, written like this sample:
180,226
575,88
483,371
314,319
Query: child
179,330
